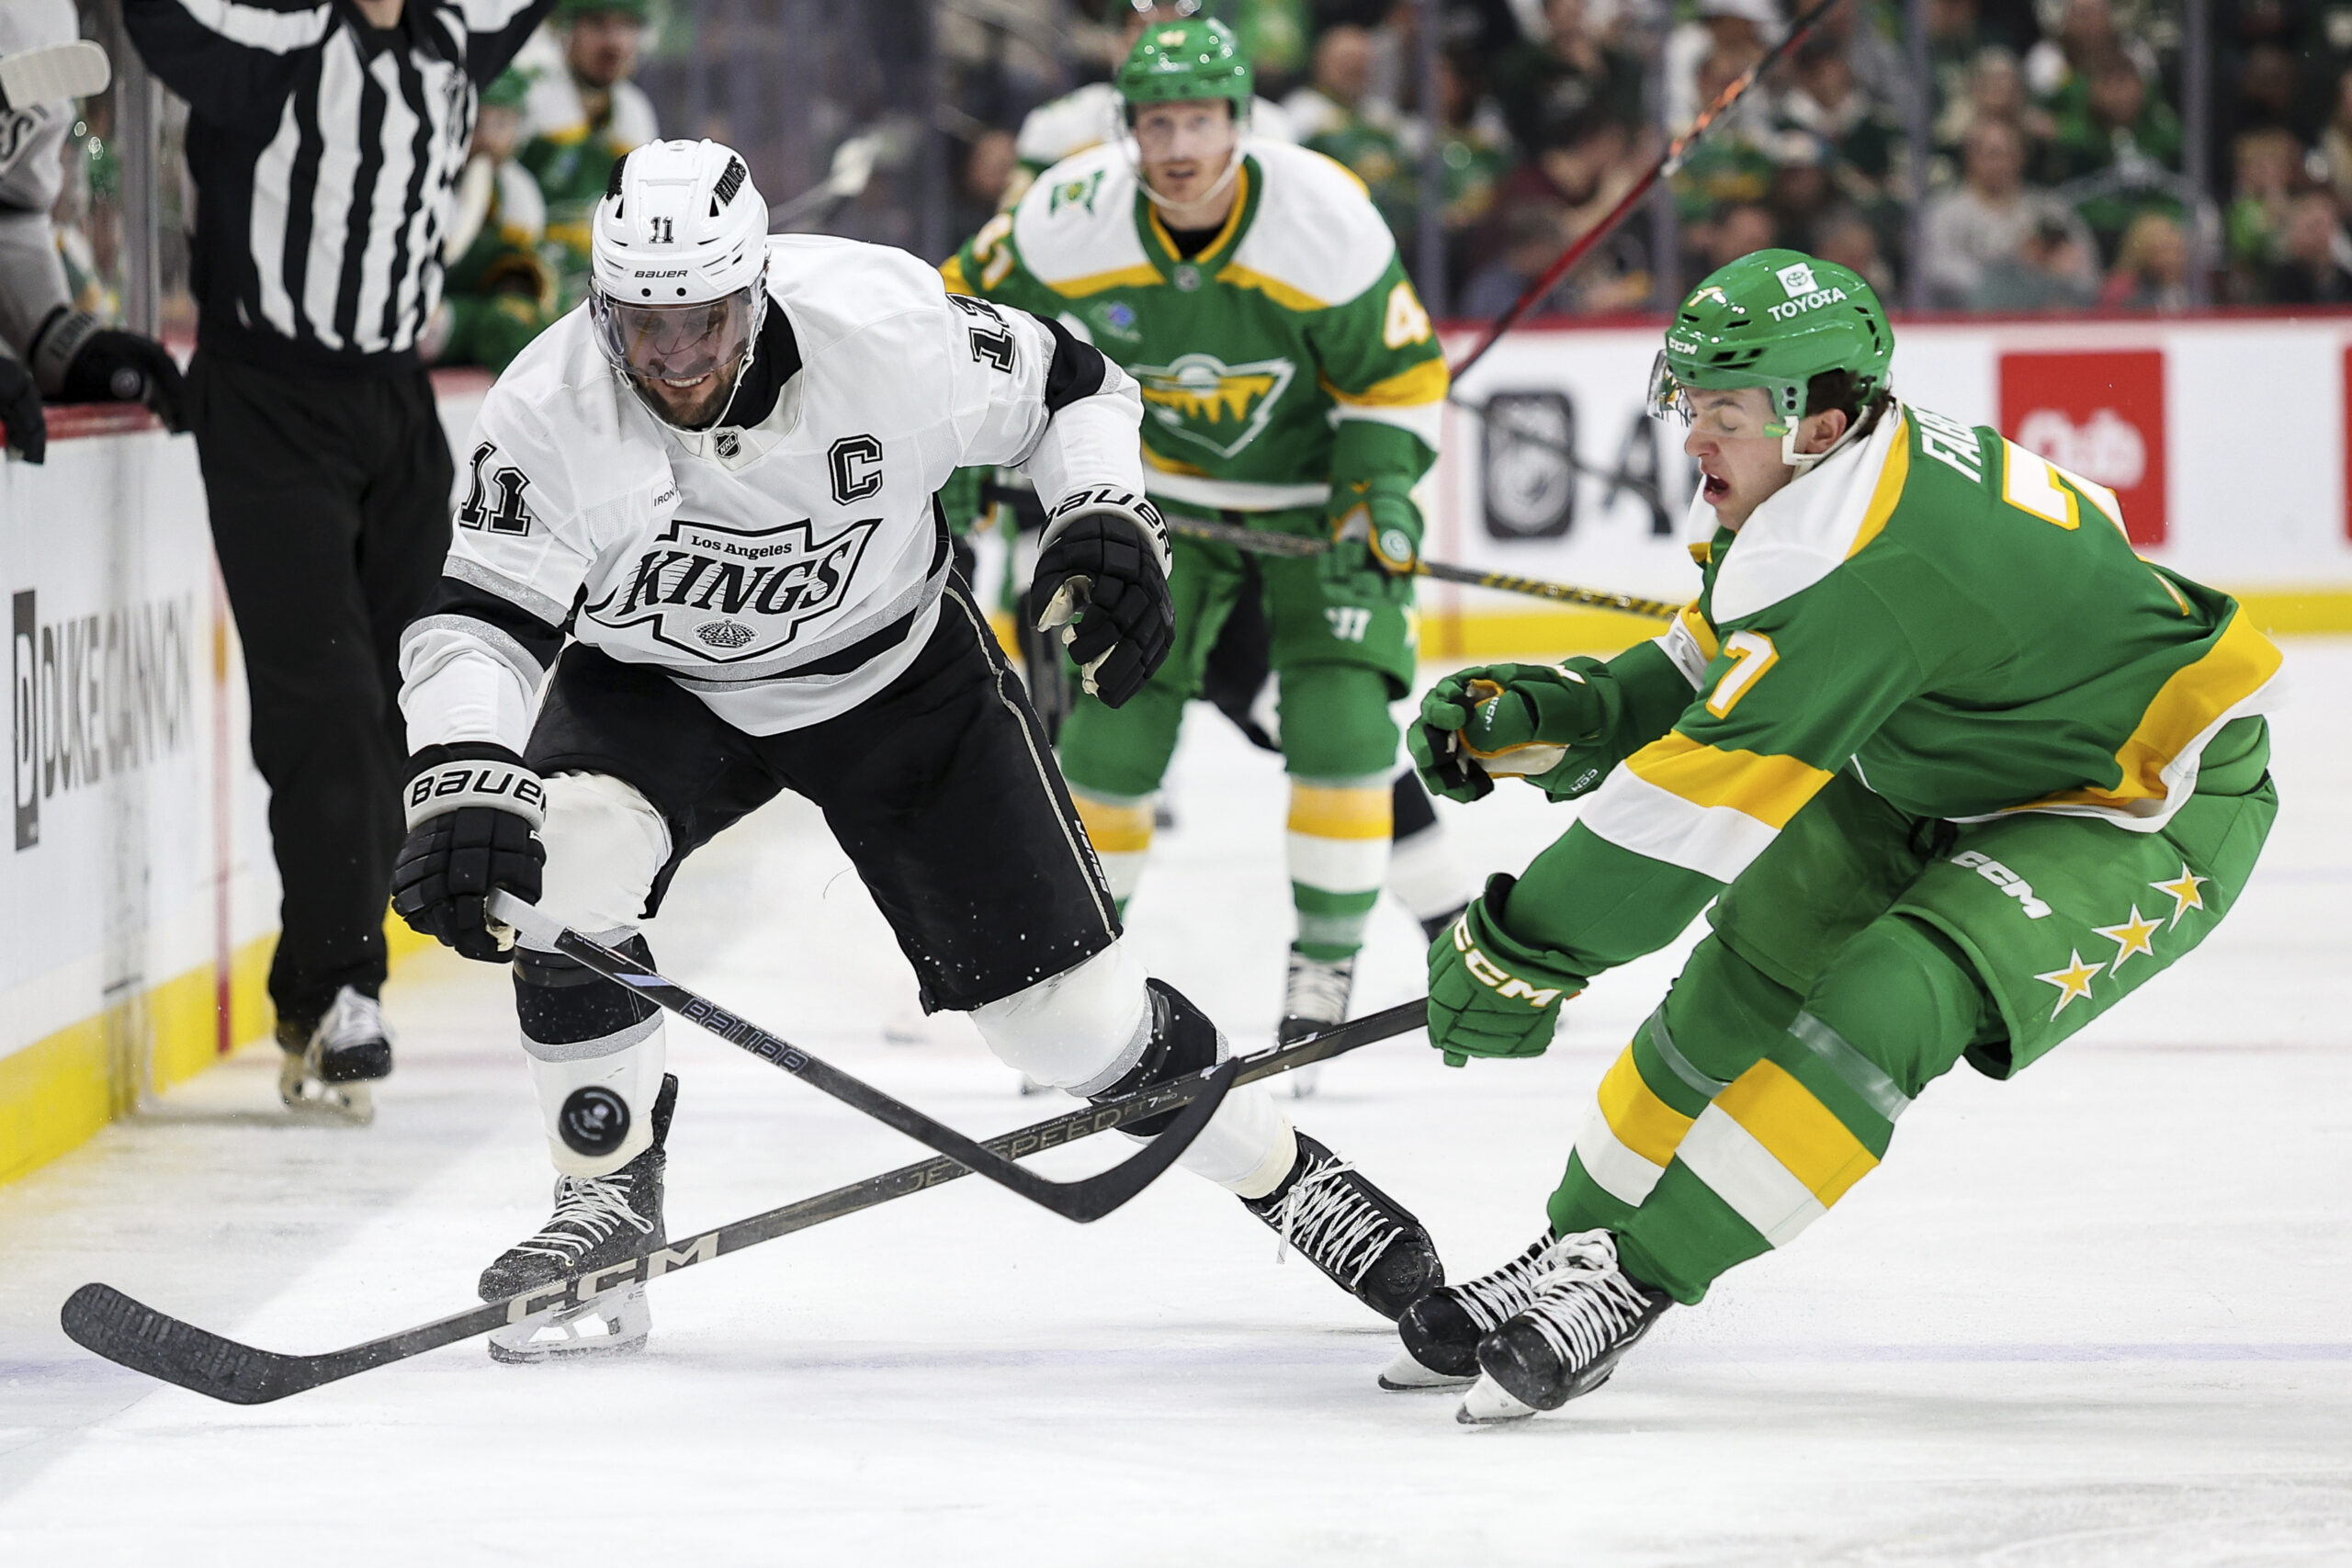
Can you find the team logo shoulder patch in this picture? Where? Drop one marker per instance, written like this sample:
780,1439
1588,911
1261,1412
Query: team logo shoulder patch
730,595
1074,193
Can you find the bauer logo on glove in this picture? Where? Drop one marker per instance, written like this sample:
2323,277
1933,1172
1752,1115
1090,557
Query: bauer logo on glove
447,788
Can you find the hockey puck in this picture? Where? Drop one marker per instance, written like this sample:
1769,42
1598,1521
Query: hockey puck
594,1121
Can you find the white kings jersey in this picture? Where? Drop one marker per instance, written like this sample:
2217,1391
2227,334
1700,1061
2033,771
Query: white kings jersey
782,571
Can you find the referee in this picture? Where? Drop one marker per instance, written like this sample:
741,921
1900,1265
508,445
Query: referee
325,141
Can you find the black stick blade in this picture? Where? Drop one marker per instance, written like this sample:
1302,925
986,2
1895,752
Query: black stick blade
1097,1196
101,1319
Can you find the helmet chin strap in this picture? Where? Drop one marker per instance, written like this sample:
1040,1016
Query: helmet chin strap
1232,167
1803,462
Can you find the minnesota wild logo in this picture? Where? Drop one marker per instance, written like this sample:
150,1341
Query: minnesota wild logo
1075,193
1201,399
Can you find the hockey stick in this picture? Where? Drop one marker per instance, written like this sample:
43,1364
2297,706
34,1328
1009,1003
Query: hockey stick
1081,1200
852,168
1666,167
29,76
1618,479
1267,542
102,1319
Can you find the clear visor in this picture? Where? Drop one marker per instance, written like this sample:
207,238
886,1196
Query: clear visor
1733,414
673,342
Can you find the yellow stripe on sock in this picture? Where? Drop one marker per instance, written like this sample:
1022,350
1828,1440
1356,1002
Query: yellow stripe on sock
1641,1121
1115,828
1328,811
1797,1130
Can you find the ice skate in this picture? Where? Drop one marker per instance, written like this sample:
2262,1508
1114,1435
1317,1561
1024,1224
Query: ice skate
1362,1239
598,1220
1441,1329
1315,998
1584,1316
331,1067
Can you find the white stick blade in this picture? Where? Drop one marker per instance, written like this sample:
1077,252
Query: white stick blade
73,70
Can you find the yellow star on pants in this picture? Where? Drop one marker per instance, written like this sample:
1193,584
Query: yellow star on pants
2131,937
2183,892
2073,981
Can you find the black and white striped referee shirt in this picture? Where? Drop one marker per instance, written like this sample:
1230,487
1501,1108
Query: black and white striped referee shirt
324,152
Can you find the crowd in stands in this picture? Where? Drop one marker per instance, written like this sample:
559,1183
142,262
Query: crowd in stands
2056,174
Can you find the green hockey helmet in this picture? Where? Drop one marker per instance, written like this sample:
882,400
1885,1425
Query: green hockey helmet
640,10
507,90
1775,320
1192,57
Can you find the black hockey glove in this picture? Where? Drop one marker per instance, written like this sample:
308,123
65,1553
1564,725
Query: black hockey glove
124,368
1103,581
22,424
474,812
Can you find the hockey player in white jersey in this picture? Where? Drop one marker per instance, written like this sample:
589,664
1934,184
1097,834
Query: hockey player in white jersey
717,478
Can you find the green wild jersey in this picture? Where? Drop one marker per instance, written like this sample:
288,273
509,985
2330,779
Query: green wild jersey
571,155
1289,354
1089,117
1961,623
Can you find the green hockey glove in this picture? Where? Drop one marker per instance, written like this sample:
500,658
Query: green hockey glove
1376,543
1545,723
1491,995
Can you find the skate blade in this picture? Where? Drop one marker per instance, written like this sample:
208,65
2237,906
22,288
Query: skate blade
609,1326
1489,1404
334,1104
1405,1375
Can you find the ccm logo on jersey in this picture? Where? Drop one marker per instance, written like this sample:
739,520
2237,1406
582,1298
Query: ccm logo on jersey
2007,881
1494,977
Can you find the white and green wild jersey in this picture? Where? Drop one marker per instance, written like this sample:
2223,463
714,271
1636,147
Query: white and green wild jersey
1287,354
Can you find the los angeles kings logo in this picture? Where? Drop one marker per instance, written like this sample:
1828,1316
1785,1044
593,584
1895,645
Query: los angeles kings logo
729,594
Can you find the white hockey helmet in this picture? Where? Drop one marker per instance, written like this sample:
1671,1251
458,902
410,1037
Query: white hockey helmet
678,266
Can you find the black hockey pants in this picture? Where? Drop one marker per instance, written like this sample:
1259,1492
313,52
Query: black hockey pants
330,504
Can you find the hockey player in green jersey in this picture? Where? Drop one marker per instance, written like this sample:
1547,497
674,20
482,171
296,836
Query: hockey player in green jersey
1291,379
1087,117
497,291
579,121
1959,771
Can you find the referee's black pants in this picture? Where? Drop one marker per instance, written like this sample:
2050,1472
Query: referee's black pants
330,504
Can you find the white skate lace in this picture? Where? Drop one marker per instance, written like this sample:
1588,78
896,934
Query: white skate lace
1494,1299
1585,1304
593,1207
356,1019
1318,989
1331,1223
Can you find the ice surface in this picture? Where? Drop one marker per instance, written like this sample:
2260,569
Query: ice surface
2098,1315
